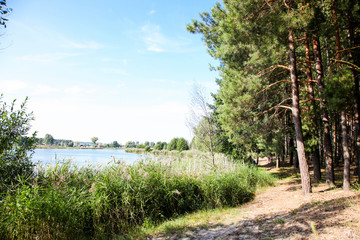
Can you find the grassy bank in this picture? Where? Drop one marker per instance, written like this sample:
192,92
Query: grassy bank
64,202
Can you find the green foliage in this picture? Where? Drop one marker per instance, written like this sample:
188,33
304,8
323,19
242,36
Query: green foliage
338,92
179,144
172,144
65,202
94,140
159,146
140,146
182,145
249,45
115,144
15,146
250,41
130,144
147,149
4,10
48,139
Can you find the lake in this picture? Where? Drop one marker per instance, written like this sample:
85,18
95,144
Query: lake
83,157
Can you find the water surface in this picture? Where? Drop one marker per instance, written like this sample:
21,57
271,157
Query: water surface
84,157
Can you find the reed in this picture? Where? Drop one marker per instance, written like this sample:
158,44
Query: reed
66,202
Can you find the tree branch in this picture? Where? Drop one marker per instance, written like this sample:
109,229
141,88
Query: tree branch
277,106
357,68
269,86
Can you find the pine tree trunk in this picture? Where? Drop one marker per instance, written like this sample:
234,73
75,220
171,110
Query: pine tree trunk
316,165
336,142
296,162
324,115
338,57
291,151
304,169
314,153
355,58
345,151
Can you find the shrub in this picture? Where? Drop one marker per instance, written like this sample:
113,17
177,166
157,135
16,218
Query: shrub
15,146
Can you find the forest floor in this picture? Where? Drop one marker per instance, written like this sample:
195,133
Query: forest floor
283,212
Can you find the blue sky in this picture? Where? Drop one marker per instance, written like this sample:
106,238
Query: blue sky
119,70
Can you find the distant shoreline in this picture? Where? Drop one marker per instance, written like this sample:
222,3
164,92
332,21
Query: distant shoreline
62,147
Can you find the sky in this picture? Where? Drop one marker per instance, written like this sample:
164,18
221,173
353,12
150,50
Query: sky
118,70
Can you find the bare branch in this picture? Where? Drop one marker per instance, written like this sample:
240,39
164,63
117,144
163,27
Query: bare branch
277,106
262,73
349,49
314,99
269,86
354,66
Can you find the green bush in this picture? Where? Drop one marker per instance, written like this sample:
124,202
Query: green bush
15,146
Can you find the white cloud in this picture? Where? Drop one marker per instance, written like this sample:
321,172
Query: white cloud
156,41
13,85
152,12
67,43
153,38
122,61
45,89
106,59
77,90
118,71
48,57
153,48
55,38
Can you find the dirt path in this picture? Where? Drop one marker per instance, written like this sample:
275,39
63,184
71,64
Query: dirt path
282,212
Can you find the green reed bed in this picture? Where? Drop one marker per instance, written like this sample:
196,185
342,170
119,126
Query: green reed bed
65,202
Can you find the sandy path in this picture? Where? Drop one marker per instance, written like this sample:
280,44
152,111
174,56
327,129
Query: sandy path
282,212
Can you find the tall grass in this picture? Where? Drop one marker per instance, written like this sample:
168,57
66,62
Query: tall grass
65,202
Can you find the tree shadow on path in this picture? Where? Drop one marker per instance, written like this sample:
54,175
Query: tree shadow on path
281,225
322,214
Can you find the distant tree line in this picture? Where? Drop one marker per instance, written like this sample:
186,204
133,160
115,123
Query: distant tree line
49,140
179,144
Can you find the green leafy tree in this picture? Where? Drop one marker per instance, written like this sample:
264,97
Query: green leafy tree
94,140
140,145
172,144
147,148
16,147
115,144
48,139
182,144
130,144
159,146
